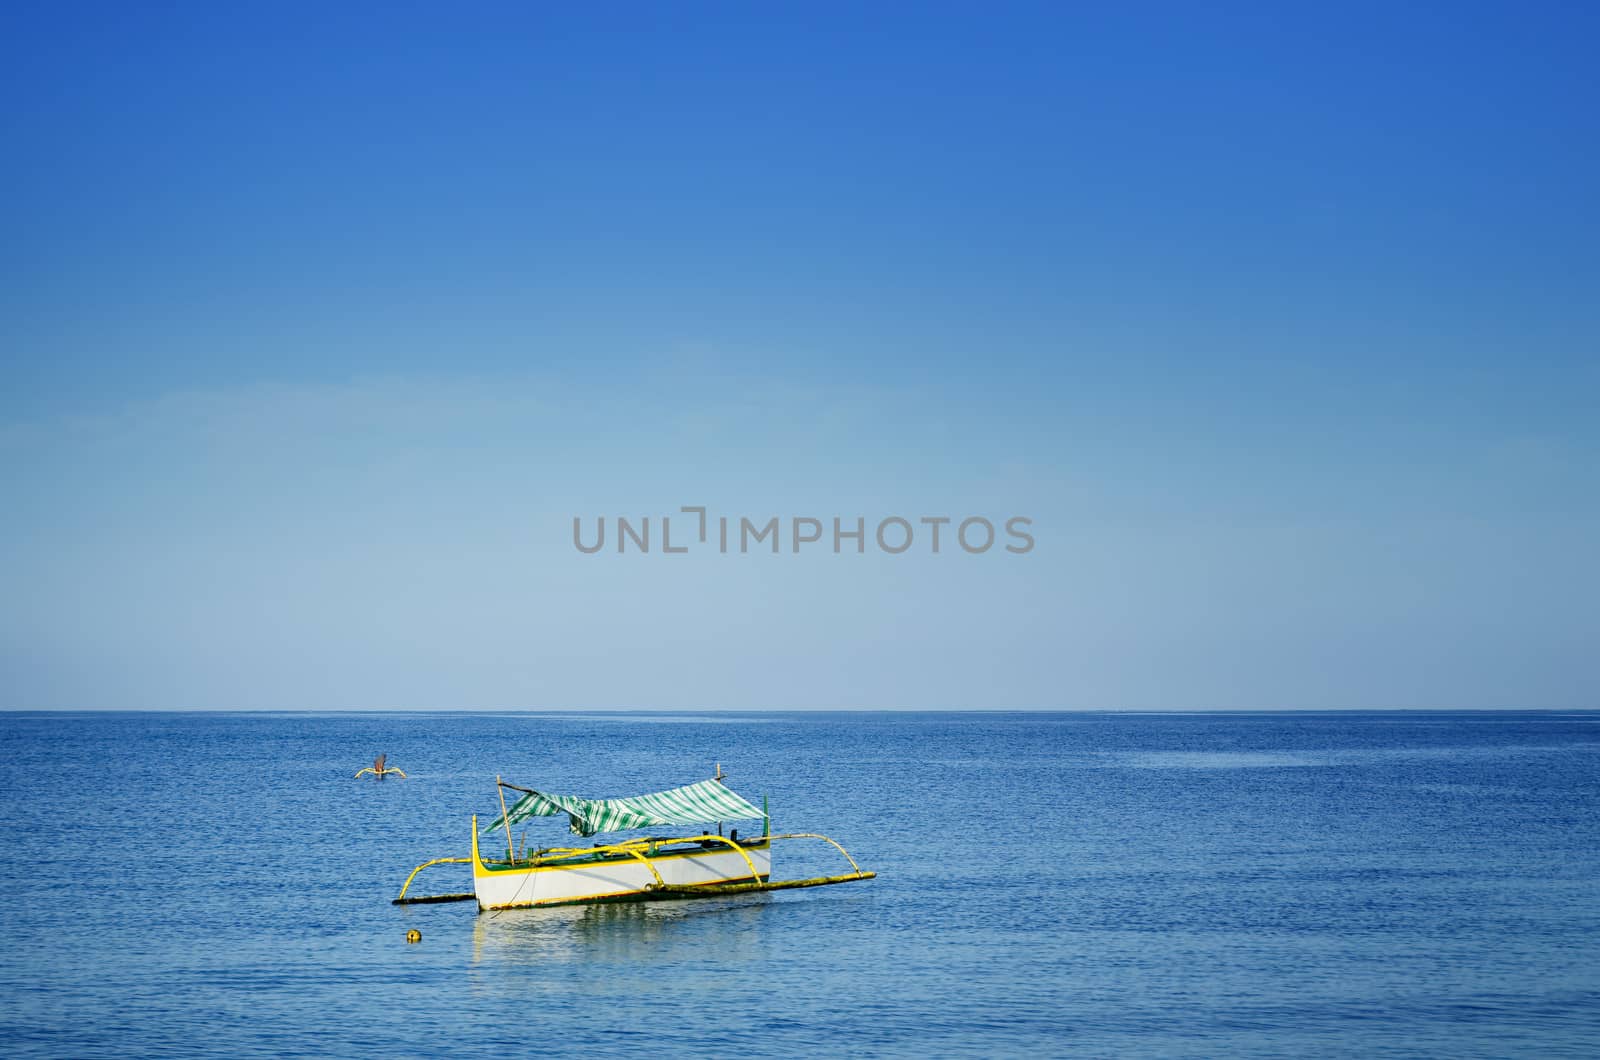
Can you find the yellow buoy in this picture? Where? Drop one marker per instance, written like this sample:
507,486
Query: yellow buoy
413,935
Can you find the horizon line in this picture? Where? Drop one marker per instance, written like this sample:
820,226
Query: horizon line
547,711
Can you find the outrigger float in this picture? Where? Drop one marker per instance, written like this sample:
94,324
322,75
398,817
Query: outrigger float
648,868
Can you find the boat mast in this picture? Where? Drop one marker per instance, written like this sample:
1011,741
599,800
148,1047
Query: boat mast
505,819
718,779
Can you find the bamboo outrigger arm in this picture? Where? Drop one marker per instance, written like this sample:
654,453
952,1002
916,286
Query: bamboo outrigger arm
433,898
635,852
706,890
836,846
754,875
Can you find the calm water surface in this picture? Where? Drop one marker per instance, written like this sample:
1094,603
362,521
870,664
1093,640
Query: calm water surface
1203,885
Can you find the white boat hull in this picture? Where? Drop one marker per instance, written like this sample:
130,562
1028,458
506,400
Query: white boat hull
616,878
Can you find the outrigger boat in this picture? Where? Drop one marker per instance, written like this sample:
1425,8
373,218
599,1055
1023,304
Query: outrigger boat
645,868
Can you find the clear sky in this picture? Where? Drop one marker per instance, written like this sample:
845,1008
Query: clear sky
1279,321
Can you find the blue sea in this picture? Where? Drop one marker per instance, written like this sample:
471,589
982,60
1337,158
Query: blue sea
1057,884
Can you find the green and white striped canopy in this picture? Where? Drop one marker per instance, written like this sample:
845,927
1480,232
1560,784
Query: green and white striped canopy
699,803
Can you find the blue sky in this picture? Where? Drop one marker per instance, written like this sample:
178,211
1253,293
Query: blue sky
316,331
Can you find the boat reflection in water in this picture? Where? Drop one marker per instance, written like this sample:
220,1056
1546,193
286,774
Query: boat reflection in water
653,933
